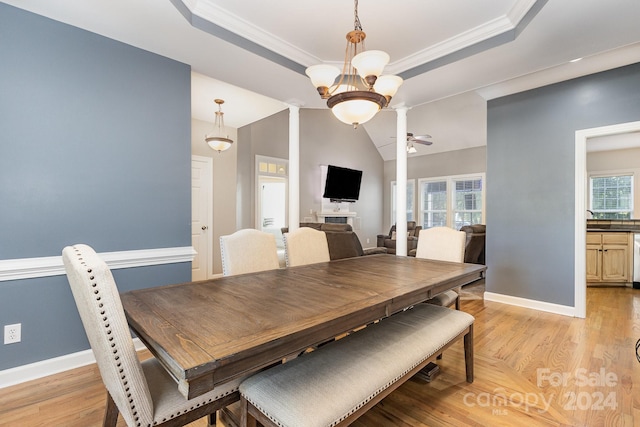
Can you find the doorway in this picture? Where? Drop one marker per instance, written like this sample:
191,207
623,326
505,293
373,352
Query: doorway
581,182
272,196
202,217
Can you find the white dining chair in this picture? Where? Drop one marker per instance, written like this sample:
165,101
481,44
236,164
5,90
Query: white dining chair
144,393
442,244
247,251
305,246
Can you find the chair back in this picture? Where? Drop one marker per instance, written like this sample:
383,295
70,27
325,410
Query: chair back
100,308
442,244
248,251
305,246
343,244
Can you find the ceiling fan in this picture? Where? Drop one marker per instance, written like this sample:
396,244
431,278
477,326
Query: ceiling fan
411,139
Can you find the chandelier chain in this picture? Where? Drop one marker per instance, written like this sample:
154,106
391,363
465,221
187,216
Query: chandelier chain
356,24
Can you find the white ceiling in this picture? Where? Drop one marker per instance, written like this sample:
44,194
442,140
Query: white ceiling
454,55
614,142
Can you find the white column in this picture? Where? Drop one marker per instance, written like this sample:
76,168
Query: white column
401,182
294,167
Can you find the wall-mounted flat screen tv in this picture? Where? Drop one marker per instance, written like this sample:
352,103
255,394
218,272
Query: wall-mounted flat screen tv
342,184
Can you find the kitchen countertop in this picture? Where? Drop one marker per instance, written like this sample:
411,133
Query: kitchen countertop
610,225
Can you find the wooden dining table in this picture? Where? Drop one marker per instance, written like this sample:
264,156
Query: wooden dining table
210,332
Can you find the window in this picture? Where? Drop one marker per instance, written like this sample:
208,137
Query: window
411,184
611,197
467,203
451,201
434,203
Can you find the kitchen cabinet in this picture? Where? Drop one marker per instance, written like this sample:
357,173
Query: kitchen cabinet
608,257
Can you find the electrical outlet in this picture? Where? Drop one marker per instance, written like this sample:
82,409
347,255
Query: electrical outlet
12,333
368,241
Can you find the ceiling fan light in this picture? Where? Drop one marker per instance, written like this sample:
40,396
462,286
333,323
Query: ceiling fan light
411,149
322,75
370,62
388,85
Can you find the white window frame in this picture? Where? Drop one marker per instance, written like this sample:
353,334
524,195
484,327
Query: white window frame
421,200
604,174
450,180
411,213
453,202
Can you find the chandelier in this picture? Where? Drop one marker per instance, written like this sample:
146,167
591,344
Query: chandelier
361,91
216,139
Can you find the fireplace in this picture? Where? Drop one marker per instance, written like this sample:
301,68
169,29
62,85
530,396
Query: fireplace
336,217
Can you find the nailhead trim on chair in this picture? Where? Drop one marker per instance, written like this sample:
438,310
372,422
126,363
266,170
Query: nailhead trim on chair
107,325
93,288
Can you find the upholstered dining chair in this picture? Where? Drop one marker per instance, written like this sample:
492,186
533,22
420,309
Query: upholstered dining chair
442,244
247,251
305,246
142,392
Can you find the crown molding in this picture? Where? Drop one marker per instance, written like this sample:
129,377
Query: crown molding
207,10
213,13
465,39
29,268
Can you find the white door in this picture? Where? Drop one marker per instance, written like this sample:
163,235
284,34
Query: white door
271,196
202,217
273,206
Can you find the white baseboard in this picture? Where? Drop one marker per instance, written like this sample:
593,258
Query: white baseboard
529,303
44,368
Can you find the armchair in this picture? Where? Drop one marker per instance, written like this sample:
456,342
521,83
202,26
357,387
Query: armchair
475,245
389,240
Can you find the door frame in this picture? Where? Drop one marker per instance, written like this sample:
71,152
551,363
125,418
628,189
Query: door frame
208,165
258,174
581,187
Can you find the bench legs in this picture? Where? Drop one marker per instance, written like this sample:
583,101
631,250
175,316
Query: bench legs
249,415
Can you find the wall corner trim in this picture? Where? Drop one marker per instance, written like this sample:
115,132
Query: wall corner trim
29,268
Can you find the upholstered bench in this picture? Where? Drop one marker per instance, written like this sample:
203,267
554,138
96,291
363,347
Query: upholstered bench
337,383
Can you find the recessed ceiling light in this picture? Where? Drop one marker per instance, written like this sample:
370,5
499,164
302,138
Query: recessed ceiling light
575,60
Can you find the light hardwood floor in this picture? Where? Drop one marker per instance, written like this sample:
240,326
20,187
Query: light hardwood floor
531,369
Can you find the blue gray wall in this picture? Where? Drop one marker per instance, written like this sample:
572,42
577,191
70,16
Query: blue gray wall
531,175
95,148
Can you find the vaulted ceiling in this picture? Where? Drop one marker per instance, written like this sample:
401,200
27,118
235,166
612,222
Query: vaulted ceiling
453,55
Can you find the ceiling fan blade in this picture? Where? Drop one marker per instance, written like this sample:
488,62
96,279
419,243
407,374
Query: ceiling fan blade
419,137
419,141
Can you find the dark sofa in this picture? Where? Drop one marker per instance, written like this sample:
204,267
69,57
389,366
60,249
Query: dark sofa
343,242
386,240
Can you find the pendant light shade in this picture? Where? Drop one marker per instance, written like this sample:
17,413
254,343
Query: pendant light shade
217,139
